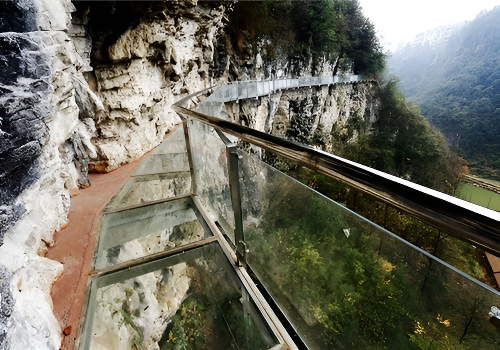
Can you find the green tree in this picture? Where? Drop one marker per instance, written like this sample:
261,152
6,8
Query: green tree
405,144
333,29
456,83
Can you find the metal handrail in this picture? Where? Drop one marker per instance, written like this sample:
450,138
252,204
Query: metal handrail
472,223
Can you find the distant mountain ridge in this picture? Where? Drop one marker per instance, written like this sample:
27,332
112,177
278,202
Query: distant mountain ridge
454,77
437,35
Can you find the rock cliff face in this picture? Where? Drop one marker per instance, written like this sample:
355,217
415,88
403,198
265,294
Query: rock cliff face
89,86
62,108
44,143
139,76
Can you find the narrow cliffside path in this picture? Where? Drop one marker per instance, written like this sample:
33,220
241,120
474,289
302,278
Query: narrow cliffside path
74,248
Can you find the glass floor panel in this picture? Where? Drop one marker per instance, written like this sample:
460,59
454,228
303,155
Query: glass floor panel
163,173
192,300
138,232
148,188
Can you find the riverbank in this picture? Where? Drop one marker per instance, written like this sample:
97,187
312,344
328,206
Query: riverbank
487,184
479,191
486,193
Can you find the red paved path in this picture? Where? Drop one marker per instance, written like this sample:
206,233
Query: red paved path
74,248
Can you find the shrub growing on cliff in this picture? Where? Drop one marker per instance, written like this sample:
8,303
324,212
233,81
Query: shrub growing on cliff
338,28
405,144
335,29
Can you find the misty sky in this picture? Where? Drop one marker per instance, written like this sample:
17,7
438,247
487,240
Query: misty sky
401,20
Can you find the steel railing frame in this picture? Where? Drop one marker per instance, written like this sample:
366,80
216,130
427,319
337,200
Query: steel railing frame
472,223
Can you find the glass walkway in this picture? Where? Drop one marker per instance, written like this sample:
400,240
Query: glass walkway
208,247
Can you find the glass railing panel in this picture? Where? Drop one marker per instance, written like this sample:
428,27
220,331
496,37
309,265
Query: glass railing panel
226,90
211,175
135,233
192,300
210,107
234,91
242,90
252,89
263,88
269,87
345,283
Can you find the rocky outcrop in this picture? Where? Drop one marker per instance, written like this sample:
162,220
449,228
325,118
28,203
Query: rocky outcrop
53,122
253,61
24,75
141,69
45,118
144,71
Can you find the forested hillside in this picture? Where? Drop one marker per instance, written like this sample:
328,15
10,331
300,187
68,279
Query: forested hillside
332,30
456,83
403,143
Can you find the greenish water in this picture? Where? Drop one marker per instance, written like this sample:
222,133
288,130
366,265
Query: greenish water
478,195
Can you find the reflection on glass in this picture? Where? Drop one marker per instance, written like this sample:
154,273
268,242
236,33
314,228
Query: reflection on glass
142,189
135,233
188,301
163,173
346,284
211,175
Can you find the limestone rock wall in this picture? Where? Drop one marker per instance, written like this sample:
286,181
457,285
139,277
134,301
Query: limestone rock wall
253,61
147,68
45,119
63,107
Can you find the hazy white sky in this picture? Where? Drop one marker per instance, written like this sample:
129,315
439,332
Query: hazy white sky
401,20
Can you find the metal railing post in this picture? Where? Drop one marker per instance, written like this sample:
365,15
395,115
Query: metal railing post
233,158
233,170
189,150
